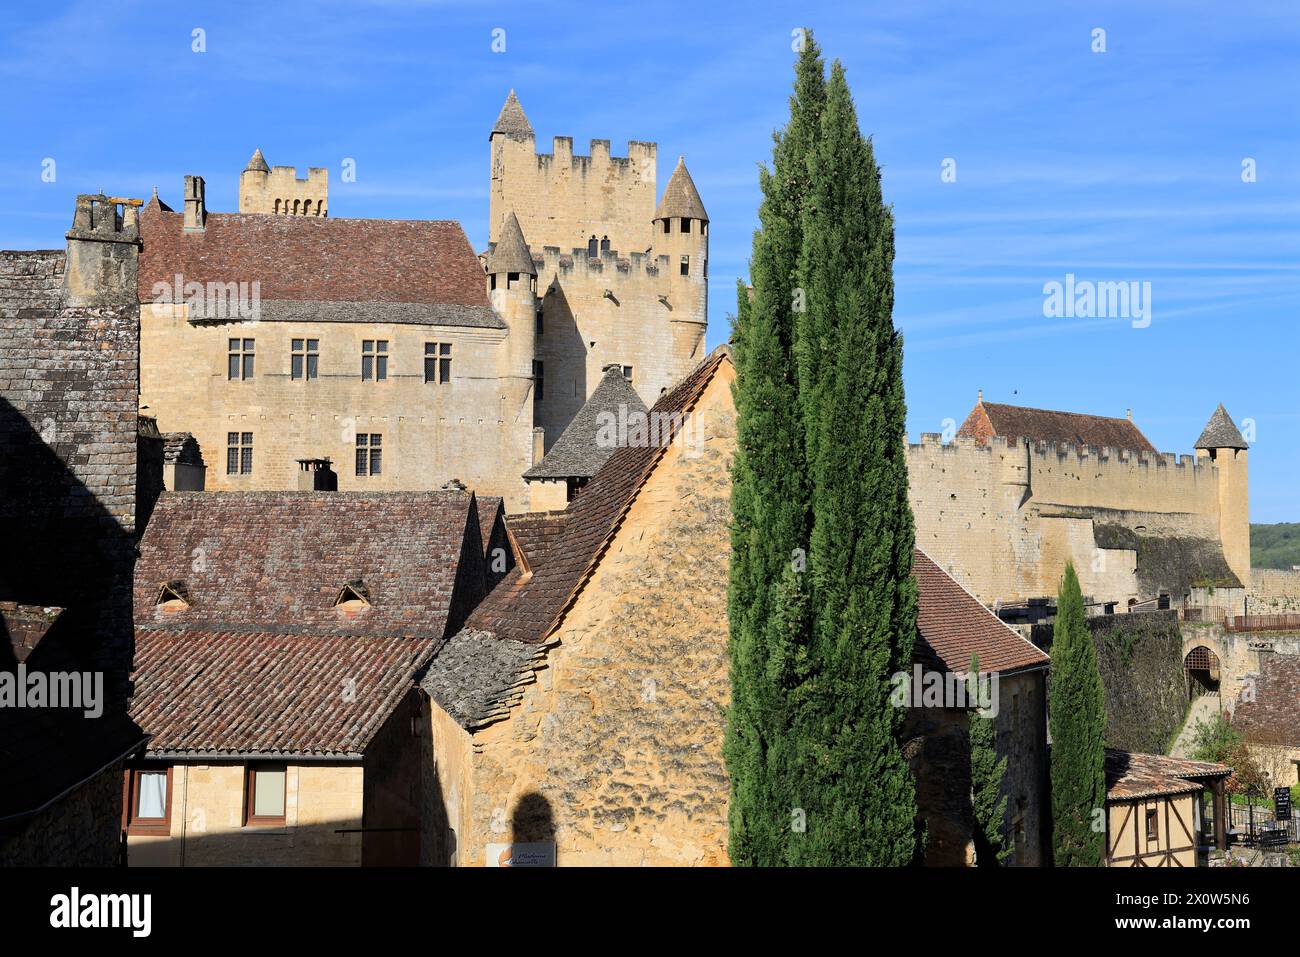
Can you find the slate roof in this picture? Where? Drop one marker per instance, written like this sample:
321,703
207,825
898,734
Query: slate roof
681,198
578,452
257,162
368,269
1131,775
953,624
1273,718
275,561
26,625
1045,425
511,120
1221,432
181,447
510,252
477,678
267,693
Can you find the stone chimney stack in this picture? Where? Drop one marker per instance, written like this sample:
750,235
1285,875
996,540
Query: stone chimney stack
196,213
103,258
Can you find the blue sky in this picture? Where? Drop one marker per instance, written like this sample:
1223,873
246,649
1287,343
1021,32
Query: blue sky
1117,166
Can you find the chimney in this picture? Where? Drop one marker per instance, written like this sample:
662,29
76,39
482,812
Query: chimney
1129,414
196,213
539,444
316,475
103,258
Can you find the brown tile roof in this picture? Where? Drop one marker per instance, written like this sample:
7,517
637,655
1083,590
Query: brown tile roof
953,625
1131,775
26,625
525,607
1273,718
252,692
1045,425
535,532
309,260
275,561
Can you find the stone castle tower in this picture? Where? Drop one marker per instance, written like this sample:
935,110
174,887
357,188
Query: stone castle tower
279,191
621,279
1222,444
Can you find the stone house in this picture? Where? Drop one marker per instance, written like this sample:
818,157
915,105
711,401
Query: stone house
578,716
1269,717
1157,812
72,447
278,635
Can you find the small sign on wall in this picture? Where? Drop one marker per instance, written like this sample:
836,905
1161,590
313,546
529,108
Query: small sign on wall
536,854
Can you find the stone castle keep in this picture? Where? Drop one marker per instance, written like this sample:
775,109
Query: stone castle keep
280,337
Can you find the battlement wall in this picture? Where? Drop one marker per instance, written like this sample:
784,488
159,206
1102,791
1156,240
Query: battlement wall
563,198
282,192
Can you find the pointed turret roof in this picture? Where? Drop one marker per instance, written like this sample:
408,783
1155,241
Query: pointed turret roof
511,121
681,198
510,254
1221,432
579,451
257,162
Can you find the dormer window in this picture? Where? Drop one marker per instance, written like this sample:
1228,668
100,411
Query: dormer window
173,596
353,596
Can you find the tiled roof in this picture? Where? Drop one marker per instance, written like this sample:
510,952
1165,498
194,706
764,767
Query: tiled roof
681,198
1131,775
257,162
1221,432
579,452
477,678
953,625
26,625
525,607
276,561
1045,425
535,532
252,692
1273,718
381,263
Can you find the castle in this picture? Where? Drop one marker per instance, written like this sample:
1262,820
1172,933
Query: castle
392,354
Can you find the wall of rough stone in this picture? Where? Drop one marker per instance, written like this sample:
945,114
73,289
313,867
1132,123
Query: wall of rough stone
1140,658
1021,738
620,739
1274,591
81,830
207,823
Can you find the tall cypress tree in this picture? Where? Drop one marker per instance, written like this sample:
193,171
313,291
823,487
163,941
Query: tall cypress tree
1077,718
819,466
861,794
771,508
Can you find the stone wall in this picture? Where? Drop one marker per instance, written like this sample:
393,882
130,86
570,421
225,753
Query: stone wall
81,830
281,192
1140,658
1274,591
616,751
466,429
1004,518
1022,739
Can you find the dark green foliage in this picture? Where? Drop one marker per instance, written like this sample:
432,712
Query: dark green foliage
1140,658
820,468
1077,720
1275,546
1215,741
986,773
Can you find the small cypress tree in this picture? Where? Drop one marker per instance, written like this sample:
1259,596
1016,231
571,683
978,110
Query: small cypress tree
1077,717
986,774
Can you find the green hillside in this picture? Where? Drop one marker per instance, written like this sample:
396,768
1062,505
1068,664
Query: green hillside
1275,546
